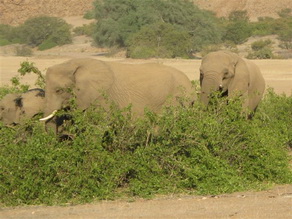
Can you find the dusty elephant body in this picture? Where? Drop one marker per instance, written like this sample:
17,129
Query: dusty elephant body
15,108
232,75
142,85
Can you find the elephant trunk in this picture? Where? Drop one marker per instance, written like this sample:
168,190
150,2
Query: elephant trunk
208,85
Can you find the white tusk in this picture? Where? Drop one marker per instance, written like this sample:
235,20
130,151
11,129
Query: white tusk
49,116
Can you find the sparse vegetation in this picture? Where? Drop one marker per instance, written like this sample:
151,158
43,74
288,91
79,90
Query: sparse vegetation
85,29
261,49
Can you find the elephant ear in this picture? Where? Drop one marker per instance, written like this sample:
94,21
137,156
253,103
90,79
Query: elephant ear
241,77
93,79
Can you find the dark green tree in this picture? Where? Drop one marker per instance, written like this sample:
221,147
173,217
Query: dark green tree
44,29
161,40
117,20
238,29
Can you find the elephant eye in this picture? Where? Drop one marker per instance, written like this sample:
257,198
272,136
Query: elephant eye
225,74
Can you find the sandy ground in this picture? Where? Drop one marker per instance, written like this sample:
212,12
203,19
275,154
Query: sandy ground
273,204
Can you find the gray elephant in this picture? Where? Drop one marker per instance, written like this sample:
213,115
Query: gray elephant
16,108
142,85
232,75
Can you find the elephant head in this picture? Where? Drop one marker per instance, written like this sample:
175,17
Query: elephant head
15,108
232,75
84,78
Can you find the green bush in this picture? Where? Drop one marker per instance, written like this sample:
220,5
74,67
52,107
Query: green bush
85,29
264,26
39,30
89,15
265,53
193,150
47,44
10,35
260,44
118,20
159,40
261,50
23,50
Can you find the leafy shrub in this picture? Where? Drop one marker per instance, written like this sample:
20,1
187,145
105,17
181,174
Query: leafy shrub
204,151
47,44
85,29
261,50
118,20
264,26
265,53
47,30
4,42
285,36
89,15
159,40
10,35
23,50
260,44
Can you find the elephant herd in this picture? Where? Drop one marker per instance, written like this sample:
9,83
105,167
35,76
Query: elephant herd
143,86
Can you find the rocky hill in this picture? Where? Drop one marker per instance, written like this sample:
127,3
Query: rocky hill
255,8
14,12
17,11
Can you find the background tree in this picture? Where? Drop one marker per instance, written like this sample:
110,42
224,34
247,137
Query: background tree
119,20
161,40
238,28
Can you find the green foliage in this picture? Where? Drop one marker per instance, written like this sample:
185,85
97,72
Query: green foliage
238,15
23,50
89,15
47,44
264,26
118,20
85,29
43,31
10,35
284,13
197,150
238,28
260,44
261,50
285,34
27,68
40,29
159,40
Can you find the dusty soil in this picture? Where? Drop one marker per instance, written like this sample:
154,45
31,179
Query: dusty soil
274,203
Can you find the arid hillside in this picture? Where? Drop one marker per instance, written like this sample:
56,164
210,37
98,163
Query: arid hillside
17,11
14,12
255,8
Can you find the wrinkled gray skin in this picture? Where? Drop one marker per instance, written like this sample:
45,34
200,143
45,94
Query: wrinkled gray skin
142,85
16,108
232,75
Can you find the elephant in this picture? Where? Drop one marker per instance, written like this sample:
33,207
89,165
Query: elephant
233,76
16,108
141,85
